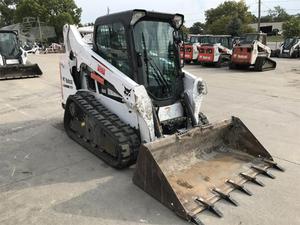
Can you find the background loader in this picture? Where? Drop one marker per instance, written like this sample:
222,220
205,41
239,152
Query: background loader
127,100
218,52
290,48
251,52
190,50
13,59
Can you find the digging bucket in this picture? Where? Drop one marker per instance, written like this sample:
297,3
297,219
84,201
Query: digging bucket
20,71
190,172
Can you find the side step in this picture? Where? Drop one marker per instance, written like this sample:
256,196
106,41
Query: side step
94,127
20,71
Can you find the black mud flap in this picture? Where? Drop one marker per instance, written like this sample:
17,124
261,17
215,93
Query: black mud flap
20,71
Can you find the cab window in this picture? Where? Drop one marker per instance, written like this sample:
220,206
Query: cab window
112,46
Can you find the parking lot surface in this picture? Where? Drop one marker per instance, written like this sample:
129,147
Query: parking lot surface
46,178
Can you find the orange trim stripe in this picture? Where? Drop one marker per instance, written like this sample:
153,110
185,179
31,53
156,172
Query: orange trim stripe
97,78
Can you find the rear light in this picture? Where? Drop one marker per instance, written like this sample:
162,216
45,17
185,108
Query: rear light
209,51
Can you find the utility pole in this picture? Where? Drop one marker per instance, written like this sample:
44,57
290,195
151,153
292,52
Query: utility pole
259,15
40,29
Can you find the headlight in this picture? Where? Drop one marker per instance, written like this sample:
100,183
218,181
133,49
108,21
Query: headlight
178,20
137,15
202,88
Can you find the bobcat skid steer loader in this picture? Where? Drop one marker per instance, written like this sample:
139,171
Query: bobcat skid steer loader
290,48
127,100
252,53
13,59
217,53
189,52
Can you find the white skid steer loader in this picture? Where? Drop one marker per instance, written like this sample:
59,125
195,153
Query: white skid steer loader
127,100
13,59
290,48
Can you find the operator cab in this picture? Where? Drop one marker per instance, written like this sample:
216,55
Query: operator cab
251,37
9,45
202,39
145,46
224,40
290,42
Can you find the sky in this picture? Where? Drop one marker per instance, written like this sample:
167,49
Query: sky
192,9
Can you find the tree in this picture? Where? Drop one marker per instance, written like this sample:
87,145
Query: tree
7,12
221,19
197,28
291,28
54,12
234,27
277,14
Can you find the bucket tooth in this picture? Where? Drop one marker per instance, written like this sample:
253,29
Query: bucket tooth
263,171
274,165
226,197
211,207
239,187
252,179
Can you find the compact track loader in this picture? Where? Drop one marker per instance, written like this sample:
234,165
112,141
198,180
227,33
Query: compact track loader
13,59
190,51
290,48
252,53
127,100
217,53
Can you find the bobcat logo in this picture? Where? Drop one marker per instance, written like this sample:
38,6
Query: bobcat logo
127,91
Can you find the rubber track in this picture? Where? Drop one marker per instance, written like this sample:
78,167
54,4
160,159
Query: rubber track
121,133
264,64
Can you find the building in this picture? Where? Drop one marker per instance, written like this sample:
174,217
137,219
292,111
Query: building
268,27
32,30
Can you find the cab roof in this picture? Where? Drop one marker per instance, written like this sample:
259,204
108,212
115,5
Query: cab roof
126,17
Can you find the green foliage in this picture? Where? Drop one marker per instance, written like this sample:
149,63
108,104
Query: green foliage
228,15
277,14
184,29
197,28
7,12
59,21
54,12
234,27
291,28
